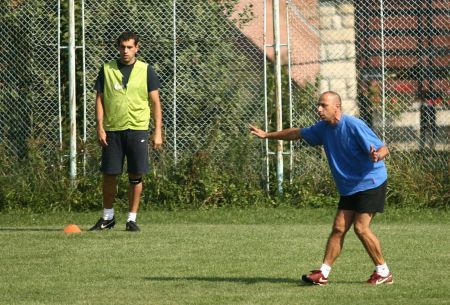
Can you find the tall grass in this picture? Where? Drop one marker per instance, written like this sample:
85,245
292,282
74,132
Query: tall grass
204,180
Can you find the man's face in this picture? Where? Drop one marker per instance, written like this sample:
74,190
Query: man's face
328,108
128,50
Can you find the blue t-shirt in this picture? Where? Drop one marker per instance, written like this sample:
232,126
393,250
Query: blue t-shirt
347,146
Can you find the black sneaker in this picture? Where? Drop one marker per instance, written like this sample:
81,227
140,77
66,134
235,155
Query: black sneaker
132,226
104,224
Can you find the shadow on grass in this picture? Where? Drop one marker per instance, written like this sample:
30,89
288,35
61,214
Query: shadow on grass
217,279
24,229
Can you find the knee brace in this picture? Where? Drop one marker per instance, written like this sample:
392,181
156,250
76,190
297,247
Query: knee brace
135,181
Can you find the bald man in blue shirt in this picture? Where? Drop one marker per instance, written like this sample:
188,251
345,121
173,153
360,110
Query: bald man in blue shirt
355,156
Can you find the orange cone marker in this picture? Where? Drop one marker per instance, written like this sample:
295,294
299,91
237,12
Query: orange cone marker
72,228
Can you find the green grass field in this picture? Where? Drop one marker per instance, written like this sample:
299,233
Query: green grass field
218,257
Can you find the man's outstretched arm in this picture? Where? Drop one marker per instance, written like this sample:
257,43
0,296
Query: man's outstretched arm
285,134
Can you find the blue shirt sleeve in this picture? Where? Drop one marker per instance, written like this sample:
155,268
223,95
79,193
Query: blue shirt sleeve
313,135
366,137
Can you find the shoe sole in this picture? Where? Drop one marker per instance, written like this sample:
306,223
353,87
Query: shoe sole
385,283
131,230
316,284
308,281
104,229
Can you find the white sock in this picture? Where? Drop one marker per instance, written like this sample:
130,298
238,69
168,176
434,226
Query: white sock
325,270
131,217
108,214
382,270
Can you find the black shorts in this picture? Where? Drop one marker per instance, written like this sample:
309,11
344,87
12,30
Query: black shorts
132,144
369,201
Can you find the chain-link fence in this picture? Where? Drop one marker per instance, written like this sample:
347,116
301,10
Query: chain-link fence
29,76
211,74
387,59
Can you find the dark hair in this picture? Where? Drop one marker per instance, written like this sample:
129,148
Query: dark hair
128,35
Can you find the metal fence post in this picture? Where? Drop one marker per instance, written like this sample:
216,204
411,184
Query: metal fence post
278,101
175,152
291,146
266,123
383,73
59,80
83,48
72,94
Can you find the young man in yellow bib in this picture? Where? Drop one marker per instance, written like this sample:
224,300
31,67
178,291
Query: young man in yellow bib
125,88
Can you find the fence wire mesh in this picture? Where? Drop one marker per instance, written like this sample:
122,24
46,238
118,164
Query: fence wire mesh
211,75
29,73
387,59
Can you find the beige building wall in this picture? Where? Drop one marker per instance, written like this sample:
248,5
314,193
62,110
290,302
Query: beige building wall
337,52
305,44
322,40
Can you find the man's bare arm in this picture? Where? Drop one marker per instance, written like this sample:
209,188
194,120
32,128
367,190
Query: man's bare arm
285,134
157,118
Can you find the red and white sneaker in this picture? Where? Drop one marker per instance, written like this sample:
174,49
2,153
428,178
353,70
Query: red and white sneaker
376,279
316,278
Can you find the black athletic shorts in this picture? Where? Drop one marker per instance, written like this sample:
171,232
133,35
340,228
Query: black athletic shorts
132,144
369,201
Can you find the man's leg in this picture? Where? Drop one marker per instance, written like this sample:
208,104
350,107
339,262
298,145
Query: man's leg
134,198
373,247
367,237
342,223
107,221
138,165
134,192
109,190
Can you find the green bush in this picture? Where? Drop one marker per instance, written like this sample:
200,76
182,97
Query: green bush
39,185
205,180
419,181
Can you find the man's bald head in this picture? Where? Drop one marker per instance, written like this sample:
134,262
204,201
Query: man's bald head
331,96
329,107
